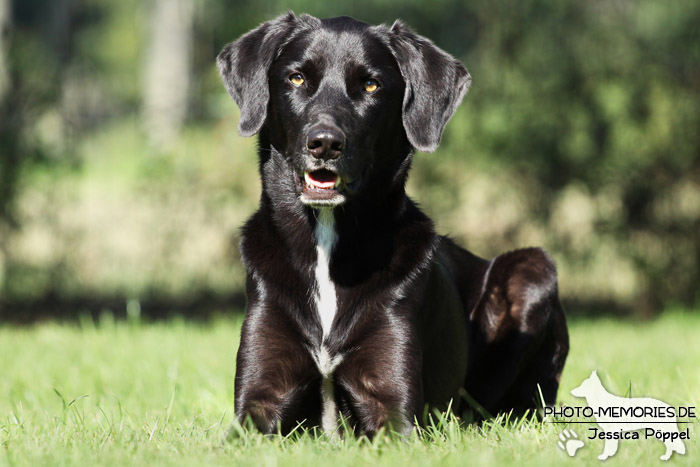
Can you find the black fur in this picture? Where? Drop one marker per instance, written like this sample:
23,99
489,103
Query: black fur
418,318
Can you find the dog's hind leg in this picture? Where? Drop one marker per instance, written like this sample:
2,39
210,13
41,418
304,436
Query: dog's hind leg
518,337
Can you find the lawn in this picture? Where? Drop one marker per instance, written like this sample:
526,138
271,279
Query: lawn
127,393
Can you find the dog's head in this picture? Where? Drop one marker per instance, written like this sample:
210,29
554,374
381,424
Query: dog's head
342,102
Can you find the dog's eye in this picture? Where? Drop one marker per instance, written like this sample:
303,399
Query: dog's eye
371,85
296,79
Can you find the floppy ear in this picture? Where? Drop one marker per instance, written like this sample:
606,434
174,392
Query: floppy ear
435,85
244,64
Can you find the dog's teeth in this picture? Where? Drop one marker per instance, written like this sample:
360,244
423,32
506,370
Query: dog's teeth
310,181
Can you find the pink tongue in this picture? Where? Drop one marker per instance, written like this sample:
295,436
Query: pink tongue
328,181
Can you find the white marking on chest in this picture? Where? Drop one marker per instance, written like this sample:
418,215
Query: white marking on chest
326,238
327,306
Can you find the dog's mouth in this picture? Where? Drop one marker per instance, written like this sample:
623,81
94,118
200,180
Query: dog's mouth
322,179
322,187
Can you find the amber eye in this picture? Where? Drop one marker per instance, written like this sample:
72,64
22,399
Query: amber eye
371,85
296,79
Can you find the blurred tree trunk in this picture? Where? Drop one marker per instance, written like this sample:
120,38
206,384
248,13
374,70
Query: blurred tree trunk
4,32
8,135
6,147
167,69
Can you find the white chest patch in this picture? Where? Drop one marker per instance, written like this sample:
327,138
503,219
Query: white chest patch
326,238
327,306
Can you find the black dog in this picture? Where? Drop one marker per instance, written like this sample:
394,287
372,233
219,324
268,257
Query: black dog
355,305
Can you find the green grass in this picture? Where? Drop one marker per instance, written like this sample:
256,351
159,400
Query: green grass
162,394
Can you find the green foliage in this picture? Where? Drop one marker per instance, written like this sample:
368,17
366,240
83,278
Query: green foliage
608,103
580,134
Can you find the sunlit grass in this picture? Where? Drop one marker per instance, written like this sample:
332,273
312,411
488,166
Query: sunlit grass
127,393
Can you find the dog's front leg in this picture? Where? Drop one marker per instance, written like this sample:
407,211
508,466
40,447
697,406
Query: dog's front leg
379,382
277,384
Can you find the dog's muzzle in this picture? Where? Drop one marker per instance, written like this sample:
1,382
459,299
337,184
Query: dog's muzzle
323,187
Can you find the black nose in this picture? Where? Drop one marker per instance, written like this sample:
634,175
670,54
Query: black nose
325,143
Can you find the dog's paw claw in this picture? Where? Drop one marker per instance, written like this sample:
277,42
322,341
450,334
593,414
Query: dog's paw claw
569,442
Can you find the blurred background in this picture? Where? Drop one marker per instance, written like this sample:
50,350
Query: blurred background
123,182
